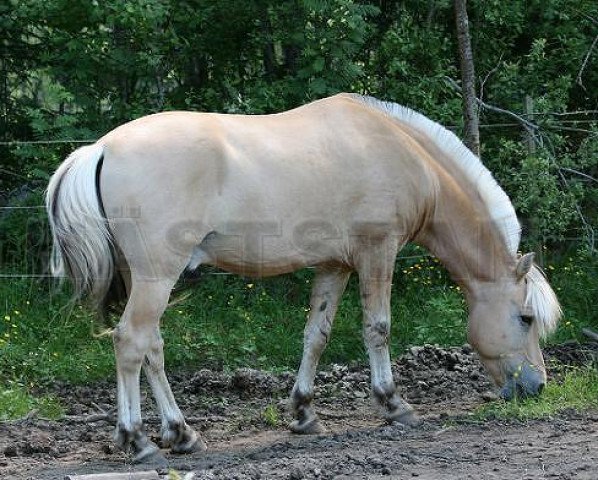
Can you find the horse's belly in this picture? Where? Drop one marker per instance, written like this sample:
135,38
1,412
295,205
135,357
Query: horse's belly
266,249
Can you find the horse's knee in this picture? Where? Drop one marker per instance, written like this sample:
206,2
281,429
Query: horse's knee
377,331
154,358
316,338
130,346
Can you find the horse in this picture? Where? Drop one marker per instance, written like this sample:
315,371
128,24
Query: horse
340,184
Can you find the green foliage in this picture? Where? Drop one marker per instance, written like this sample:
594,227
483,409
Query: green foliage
77,75
547,208
271,416
229,322
575,280
225,322
16,402
574,388
44,337
74,70
23,233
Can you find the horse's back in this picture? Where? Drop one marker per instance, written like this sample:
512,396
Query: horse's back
321,143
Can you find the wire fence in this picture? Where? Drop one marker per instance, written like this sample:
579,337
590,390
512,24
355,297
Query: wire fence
11,143
13,276
563,124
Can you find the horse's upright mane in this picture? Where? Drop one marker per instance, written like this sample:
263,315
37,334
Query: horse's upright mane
498,203
540,297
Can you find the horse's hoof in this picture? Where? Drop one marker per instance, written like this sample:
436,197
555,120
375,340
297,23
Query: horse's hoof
134,442
150,454
192,446
181,438
307,427
408,418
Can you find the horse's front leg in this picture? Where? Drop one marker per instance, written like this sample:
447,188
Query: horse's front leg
326,292
375,282
175,432
133,339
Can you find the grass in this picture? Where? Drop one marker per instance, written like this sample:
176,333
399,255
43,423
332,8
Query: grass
228,321
17,402
270,416
574,388
174,475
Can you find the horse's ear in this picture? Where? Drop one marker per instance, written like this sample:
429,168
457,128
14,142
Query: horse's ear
524,265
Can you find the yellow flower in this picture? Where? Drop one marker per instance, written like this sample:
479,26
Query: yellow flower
250,285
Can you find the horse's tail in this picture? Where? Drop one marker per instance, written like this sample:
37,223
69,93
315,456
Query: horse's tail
82,243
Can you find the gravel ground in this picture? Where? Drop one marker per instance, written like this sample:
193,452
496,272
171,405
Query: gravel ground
244,443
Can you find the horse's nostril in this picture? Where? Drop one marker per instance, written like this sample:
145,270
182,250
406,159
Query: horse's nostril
541,388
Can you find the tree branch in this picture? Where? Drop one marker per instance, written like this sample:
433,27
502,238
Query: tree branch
590,334
585,62
520,119
535,129
488,75
581,174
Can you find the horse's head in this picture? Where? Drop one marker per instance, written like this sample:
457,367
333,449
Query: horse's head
506,320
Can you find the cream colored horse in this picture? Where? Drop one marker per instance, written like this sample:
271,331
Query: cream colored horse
341,184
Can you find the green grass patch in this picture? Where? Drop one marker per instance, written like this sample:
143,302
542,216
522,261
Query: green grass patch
225,322
16,402
270,416
573,388
45,338
229,321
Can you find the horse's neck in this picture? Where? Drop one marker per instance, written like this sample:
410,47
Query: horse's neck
462,236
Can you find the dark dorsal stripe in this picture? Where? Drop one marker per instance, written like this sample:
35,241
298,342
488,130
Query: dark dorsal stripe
98,191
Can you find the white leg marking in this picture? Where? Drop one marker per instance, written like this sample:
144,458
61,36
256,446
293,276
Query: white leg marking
326,292
133,338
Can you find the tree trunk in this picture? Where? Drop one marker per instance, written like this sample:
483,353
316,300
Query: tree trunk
470,111
268,48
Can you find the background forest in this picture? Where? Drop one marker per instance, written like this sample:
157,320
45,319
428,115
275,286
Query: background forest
71,70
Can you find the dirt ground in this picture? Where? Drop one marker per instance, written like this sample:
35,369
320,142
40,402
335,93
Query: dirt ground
243,416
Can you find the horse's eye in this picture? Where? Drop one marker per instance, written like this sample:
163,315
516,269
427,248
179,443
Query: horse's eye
527,319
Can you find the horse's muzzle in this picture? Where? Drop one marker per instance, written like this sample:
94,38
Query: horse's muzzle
527,381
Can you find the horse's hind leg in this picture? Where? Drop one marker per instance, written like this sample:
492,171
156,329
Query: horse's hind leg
326,292
134,337
175,432
375,281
